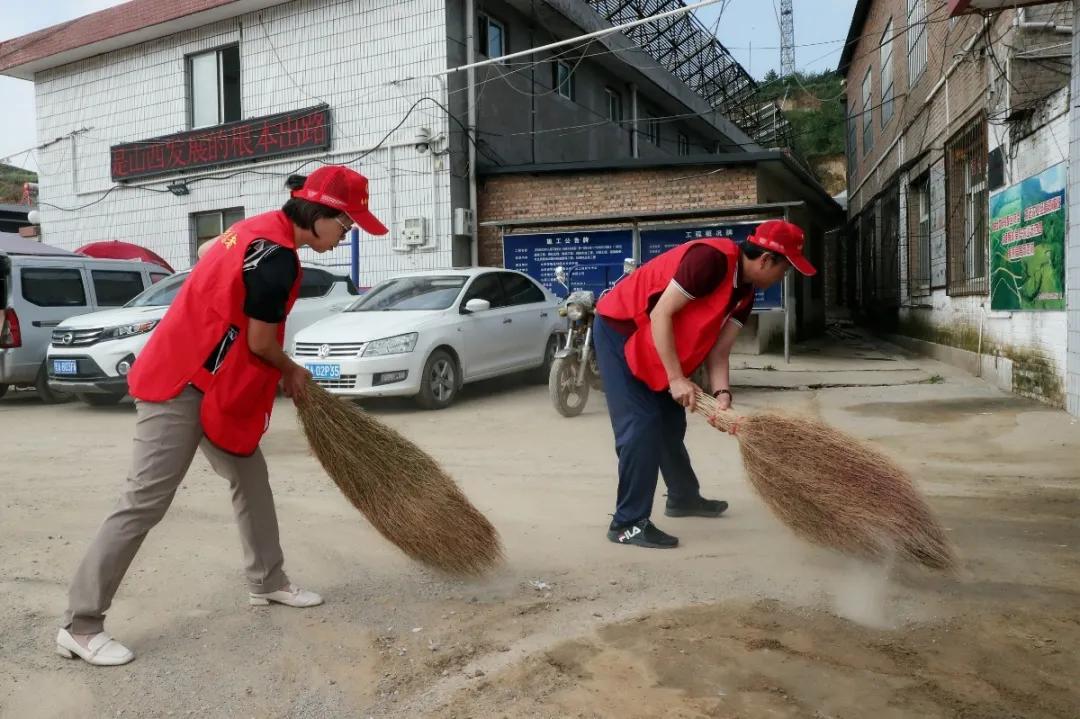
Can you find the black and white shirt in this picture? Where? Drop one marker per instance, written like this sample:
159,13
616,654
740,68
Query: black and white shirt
269,273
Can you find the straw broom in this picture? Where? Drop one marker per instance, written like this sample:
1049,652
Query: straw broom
401,490
832,489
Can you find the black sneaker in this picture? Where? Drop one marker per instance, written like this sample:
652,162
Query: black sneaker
698,507
642,533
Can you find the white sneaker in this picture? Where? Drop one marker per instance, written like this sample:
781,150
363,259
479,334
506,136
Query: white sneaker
291,596
102,651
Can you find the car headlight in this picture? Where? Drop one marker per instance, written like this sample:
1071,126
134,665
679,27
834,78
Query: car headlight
137,328
397,345
575,311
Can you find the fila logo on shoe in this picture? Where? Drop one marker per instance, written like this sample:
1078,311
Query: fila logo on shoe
630,534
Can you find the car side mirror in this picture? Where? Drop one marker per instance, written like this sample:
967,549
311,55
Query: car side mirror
477,305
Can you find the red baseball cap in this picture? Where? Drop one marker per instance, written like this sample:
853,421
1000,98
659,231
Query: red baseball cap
343,189
785,239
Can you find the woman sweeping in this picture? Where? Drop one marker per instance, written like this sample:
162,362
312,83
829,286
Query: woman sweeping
207,378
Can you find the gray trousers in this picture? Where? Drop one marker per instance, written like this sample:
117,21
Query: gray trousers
166,437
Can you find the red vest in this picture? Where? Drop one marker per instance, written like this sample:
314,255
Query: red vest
240,395
697,325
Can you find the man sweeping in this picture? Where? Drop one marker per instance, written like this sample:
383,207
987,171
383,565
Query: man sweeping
654,329
207,378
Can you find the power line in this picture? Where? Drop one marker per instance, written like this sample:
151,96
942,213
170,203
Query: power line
398,126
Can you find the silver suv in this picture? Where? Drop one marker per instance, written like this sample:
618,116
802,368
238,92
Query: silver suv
39,291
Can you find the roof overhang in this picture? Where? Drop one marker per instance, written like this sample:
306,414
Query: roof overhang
112,29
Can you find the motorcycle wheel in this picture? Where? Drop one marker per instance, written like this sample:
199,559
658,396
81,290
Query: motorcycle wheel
568,398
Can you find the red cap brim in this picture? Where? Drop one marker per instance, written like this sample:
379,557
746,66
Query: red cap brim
800,263
368,222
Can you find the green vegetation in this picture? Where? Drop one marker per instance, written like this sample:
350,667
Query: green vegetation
11,182
816,113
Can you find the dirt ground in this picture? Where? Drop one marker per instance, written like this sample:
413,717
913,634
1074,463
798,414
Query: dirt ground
741,621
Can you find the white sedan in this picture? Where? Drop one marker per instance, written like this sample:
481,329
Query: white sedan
424,335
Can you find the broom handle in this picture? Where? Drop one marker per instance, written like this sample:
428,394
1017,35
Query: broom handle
709,407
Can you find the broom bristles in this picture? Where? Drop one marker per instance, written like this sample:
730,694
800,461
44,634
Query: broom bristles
834,490
401,490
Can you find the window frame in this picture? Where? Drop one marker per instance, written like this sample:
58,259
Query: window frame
328,282
506,277
917,41
683,144
853,143
483,35
652,127
467,291
28,297
95,276
967,200
614,103
919,213
888,82
223,106
563,87
868,110
196,240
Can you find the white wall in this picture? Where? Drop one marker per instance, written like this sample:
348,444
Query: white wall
342,52
1072,252
1043,332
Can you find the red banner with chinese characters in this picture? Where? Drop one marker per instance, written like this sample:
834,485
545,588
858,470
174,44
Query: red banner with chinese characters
282,134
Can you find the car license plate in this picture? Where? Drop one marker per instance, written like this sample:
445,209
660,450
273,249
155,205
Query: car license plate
325,371
65,366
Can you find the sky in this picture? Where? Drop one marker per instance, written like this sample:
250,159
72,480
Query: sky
748,28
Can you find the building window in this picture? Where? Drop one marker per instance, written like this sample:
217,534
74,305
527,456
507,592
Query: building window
886,75
652,127
965,230
868,111
919,237
916,39
214,87
852,144
614,105
208,225
491,36
887,253
563,79
684,144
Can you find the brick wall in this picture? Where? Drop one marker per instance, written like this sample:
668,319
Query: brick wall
555,195
925,121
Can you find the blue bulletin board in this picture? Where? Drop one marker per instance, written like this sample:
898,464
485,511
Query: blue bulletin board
597,254
657,241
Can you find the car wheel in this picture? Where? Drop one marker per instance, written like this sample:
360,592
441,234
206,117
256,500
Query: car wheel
540,374
101,400
440,383
3,389
48,395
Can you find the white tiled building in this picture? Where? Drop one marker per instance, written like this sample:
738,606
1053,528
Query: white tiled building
288,56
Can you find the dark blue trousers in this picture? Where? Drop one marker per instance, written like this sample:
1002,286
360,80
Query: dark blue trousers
649,431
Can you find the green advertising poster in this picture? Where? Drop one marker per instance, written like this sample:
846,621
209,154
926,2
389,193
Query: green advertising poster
1027,243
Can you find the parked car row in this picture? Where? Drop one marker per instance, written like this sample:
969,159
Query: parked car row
91,355
74,326
39,292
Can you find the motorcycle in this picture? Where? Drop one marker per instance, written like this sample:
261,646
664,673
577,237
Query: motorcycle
575,370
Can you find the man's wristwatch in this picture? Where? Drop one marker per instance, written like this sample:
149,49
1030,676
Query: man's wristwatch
719,392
